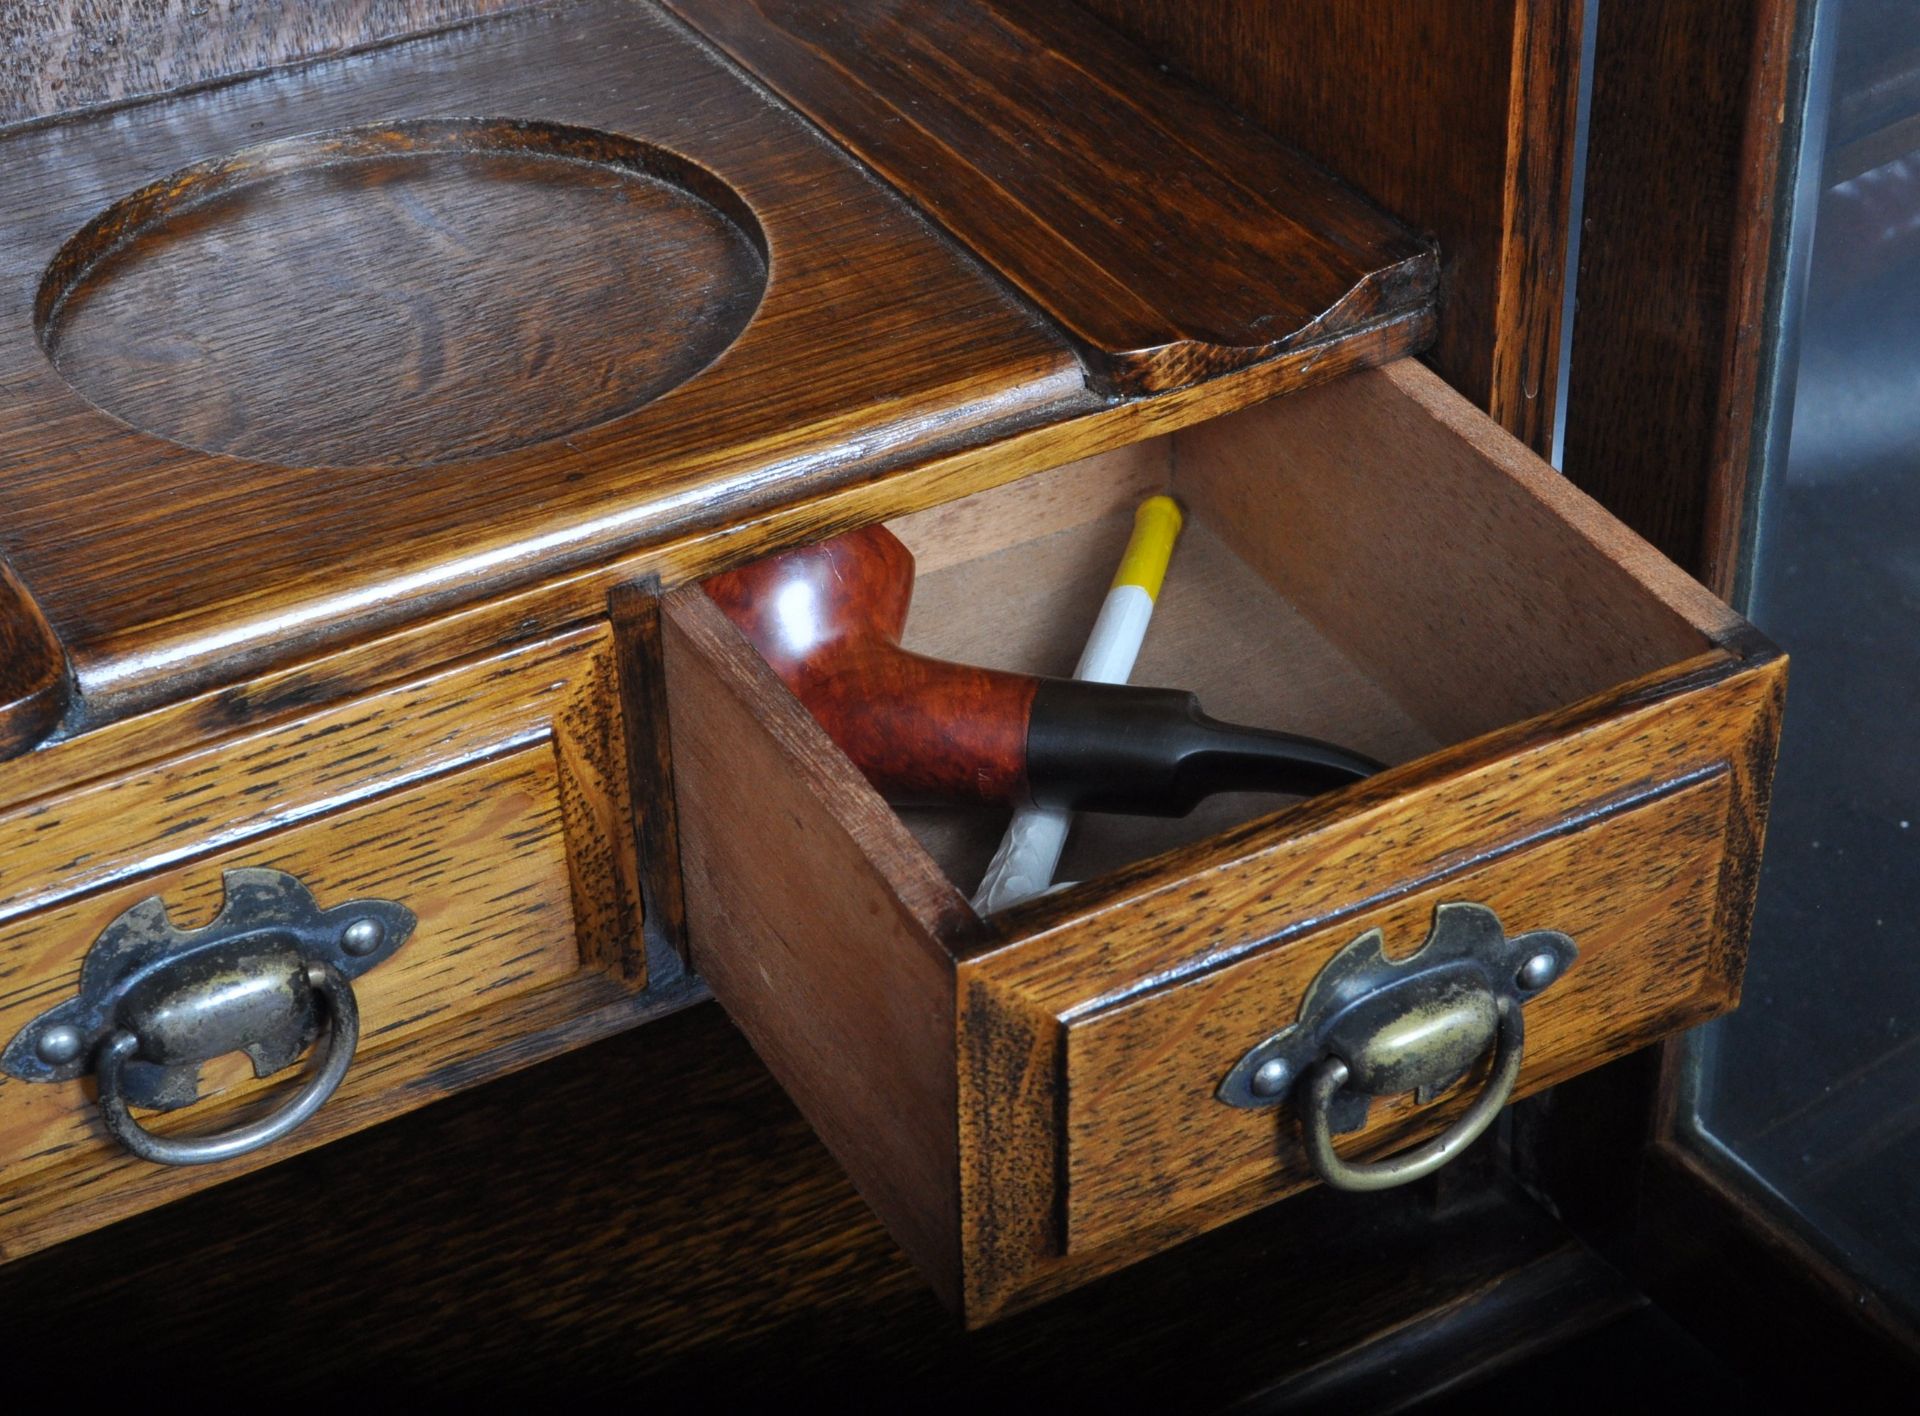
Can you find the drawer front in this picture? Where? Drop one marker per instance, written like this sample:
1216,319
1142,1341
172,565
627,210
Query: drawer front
1637,891
1090,1049
490,801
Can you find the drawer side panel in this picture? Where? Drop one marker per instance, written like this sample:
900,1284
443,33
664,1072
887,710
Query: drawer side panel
813,915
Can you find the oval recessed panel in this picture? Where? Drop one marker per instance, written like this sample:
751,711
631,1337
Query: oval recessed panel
403,295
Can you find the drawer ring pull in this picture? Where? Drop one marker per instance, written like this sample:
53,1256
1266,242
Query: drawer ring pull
1327,1079
1370,1026
341,1037
271,976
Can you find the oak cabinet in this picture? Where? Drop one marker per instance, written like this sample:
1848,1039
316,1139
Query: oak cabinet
381,417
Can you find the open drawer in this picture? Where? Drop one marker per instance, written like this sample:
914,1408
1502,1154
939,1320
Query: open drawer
1580,740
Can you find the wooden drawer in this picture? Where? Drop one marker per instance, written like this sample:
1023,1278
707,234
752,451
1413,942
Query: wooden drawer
1579,738
490,799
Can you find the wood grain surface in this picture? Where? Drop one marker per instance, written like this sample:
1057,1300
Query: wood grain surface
481,861
968,529
1168,237
942,355
63,55
851,1005
1430,527
492,799
1455,115
603,814
634,611
1537,214
878,348
99,833
1683,166
1635,890
510,283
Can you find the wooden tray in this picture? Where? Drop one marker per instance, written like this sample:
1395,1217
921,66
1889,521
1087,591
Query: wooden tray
403,295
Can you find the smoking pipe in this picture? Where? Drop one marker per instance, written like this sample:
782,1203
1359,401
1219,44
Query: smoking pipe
828,618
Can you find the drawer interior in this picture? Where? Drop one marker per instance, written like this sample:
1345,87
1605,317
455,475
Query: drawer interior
1338,576
1026,601
1573,729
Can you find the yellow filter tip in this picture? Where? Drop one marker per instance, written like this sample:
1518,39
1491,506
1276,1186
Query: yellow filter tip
1156,526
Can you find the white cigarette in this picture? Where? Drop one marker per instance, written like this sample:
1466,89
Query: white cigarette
1030,851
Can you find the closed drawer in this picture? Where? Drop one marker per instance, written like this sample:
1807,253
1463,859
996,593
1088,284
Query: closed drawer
489,800
1579,739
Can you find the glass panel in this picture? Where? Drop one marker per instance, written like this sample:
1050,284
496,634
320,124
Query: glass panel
1814,1085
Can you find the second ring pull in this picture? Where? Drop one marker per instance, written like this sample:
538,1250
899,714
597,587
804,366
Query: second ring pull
271,976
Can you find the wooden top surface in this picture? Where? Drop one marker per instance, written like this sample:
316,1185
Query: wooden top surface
249,420
1170,237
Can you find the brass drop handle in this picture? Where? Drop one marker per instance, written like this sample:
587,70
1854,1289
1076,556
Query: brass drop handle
270,977
275,986
1331,1075
1370,1028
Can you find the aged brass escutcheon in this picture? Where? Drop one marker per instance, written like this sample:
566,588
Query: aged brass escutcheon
1370,1027
268,977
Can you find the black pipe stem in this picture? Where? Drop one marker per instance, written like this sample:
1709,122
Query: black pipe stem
1153,752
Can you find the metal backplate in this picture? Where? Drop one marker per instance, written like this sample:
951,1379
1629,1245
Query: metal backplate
1416,1024
194,994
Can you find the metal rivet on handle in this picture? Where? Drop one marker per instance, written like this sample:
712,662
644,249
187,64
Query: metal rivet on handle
1539,971
1271,1078
59,1046
362,937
